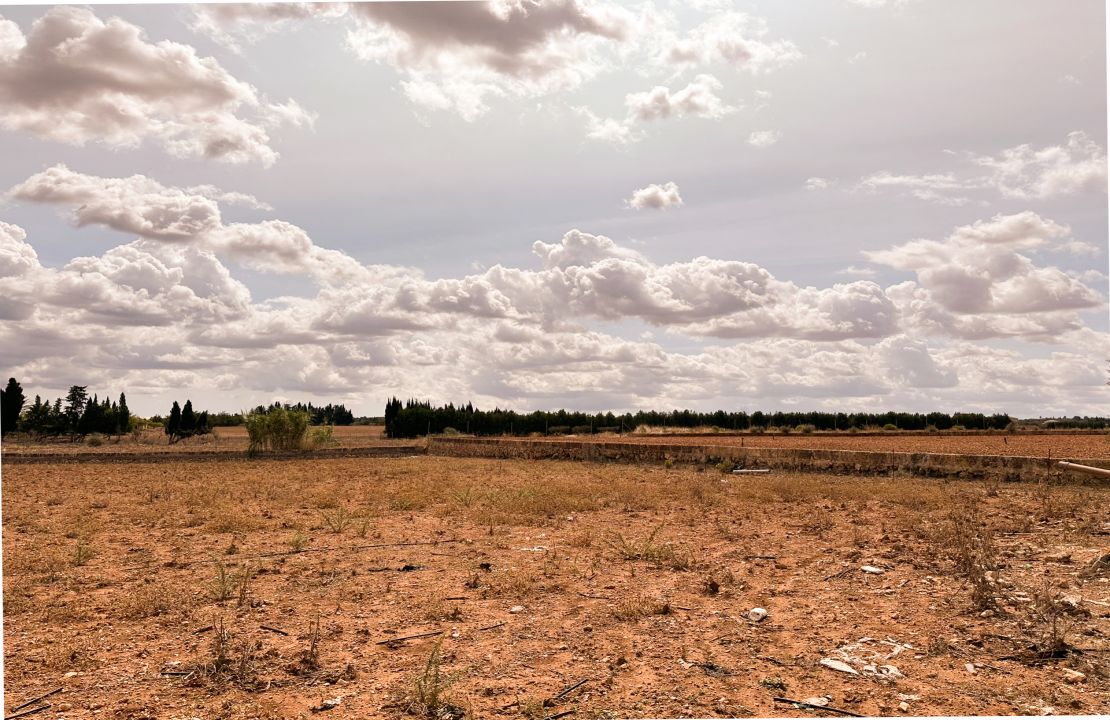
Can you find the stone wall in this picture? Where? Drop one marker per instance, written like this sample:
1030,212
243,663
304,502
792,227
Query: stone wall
793,459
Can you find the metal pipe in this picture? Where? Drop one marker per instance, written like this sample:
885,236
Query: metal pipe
1098,472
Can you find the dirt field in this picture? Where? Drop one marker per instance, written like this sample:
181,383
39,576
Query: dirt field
221,439
637,580
1061,446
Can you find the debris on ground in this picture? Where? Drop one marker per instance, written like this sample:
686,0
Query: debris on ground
327,705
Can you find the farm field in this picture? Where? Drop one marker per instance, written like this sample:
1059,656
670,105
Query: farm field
1049,445
221,439
143,589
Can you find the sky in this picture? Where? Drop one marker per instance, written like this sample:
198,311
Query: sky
837,205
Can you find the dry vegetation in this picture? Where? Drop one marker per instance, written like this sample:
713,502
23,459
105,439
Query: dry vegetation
238,589
221,439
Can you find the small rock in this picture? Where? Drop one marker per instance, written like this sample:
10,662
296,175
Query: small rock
516,609
819,701
1073,676
871,569
757,614
71,673
327,705
839,666
970,668
904,706
890,671
987,613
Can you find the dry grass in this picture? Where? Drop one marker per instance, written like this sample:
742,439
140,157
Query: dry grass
600,557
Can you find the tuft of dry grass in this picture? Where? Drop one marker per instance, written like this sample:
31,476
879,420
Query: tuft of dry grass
640,606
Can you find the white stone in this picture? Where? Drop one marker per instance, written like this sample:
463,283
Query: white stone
839,666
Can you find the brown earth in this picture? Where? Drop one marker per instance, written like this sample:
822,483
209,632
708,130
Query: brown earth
221,439
635,579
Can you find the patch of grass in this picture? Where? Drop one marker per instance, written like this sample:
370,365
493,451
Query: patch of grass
649,549
336,519
639,606
82,553
222,585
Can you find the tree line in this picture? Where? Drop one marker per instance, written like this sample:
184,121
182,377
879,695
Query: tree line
76,415
415,418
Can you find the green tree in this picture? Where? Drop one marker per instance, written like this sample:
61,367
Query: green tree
75,406
11,405
173,423
188,419
123,415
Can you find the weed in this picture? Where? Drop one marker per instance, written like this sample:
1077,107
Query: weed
638,606
222,585
298,542
337,520
660,554
82,554
243,580
428,697
1049,615
971,546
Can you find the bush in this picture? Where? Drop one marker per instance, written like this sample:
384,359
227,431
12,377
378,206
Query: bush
889,427
95,441
322,436
276,429
806,429
450,431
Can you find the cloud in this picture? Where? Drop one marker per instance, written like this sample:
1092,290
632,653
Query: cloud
453,56
937,188
657,197
1021,172
1025,173
164,312
698,99
735,38
78,79
981,281
764,138
816,183
139,205
233,24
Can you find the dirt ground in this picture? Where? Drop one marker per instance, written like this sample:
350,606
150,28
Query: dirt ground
221,439
636,580
1060,446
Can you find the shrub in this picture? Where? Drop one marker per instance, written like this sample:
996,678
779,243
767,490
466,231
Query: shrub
276,429
806,429
95,441
889,427
321,437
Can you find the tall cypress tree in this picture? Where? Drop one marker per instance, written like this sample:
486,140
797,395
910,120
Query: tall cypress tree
173,423
11,404
188,419
123,414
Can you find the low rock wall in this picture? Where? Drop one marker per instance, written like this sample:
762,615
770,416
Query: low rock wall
793,459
